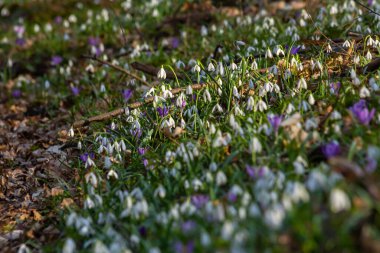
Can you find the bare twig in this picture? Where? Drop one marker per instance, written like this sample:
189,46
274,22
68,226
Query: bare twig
117,68
366,7
134,105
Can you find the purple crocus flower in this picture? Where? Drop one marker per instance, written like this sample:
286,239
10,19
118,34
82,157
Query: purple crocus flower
199,200
136,132
145,162
58,19
141,151
20,42
331,149
163,111
127,94
188,226
75,90
370,2
83,157
93,41
294,50
254,172
362,113
232,197
16,93
174,42
335,87
275,121
180,247
56,60
19,30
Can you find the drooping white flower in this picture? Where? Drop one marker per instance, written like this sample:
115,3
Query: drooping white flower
161,73
339,201
255,145
221,178
211,67
69,246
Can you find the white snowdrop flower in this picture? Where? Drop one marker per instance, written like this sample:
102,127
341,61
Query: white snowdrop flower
328,48
89,162
220,69
196,68
274,70
372,83
196,184
255,145
302,22
153,250
102,88
254,210
356,81
235,92
23,249
368,55
250,103
205,239
167,94
211,67
261,106
254,65
364,92
339,201
123,146
48,27
206,96
112,174
71,132
227,230
357,59
290,108
110,148
217,108
69,246
161,73
90,68
301,84
298,192
189,90
279,51
160,191
311,99
183,123
352,73
221,178
238,111
346,44
370,41
204,31
213,166
311,123
299,66
268,54
234,66
274,216
89,203
107,162
262,91
179,64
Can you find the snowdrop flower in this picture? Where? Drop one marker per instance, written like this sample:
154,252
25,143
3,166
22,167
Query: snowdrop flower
346,44
234,66
311,99
368,55
370,42
356,81
268,54
89,162
328,49
160,191
207,96
107,161
204,31
290,108
254,65
112,174
250,103
297,192
179,64
364,92
69,246
274,216
261,106
217,108
301,84
227,230
71,132
357,59
339,201
221,69
196,68
221,178
211,67
372,83
161,73
255,145
189,90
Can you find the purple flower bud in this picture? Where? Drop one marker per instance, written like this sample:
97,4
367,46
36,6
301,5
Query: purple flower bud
199,200
141,151
58,19
75,90
83,157
179,247
163,111
174,42
371,165
127,94
20,42
275,121
56,60
136,132
335,87
331,149
93,41
294,50
16,93
370,2
231,197
188,226
361,112
254,172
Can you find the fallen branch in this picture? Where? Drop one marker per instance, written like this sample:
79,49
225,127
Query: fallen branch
117,68
119,111
151,70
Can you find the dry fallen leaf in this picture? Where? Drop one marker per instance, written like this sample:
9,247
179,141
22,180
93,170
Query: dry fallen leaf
66,202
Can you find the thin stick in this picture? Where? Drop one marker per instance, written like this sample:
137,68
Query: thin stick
117,68
119,111
365,7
